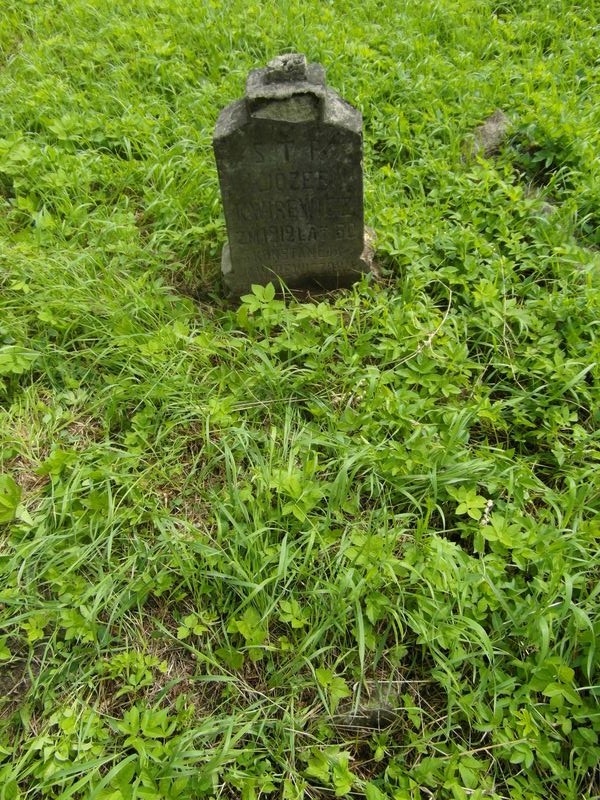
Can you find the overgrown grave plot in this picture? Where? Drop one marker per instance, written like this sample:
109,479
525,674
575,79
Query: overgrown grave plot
347,546
362,474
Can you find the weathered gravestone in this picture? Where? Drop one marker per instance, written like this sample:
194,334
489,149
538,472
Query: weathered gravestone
289,162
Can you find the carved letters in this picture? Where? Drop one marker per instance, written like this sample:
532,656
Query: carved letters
291,180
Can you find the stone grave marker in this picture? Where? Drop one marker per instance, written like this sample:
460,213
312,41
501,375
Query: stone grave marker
289,158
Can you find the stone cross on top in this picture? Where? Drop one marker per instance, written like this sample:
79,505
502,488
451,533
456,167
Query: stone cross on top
289,158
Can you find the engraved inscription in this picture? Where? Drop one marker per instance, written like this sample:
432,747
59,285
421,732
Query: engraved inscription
275,234
291,179
287,150
311,208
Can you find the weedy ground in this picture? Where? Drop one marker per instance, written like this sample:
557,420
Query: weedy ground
340,547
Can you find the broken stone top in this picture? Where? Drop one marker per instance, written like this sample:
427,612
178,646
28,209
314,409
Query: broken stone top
284,77
286,68
288,90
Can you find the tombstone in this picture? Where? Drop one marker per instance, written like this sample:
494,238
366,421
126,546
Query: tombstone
289,158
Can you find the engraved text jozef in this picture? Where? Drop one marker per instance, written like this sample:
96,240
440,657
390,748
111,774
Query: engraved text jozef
289,157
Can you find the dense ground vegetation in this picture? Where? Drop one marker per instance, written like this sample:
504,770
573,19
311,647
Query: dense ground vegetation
347,546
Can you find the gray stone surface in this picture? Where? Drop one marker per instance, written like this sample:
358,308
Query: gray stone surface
289,158
489,136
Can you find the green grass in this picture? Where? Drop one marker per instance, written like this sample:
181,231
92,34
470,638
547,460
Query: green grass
346,547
